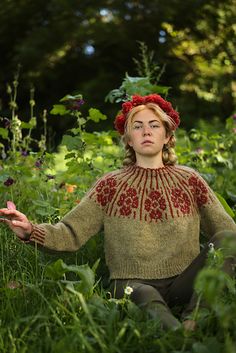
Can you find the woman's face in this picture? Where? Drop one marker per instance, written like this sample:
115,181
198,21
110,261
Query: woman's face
147,134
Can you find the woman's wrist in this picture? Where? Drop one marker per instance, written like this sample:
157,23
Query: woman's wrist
28,232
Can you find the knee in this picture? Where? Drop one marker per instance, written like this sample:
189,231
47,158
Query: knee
144,294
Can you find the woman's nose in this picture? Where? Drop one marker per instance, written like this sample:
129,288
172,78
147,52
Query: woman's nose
146,130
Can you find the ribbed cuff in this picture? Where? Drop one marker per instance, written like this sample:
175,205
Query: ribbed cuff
37,235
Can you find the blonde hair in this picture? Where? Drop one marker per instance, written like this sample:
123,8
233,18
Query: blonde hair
168,153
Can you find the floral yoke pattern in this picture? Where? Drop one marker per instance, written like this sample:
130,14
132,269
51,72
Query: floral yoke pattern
151,195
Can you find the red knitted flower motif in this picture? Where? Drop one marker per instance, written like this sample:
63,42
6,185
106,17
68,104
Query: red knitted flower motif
139,100
155,204
106,190
180,200
199,190
128,201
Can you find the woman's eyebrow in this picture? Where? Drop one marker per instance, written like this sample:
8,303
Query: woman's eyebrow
150,121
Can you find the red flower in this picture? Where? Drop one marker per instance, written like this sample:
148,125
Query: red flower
126,107
139,100
120,123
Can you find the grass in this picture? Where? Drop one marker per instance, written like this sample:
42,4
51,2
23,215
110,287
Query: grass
41,314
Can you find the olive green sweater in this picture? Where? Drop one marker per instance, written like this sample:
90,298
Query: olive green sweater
151,220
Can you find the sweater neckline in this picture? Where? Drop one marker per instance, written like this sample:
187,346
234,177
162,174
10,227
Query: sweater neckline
150,171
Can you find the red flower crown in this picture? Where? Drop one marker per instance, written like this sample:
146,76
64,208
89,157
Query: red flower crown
139,100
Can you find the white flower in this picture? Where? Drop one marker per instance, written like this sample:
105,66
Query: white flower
128,290
211,247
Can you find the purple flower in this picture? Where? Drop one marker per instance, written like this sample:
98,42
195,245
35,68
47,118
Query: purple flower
74,104
24,153
9,181
38,163
234,117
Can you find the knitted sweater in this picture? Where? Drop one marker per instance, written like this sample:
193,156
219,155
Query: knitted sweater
151,220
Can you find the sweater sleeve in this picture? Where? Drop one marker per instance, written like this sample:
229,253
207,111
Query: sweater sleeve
74,229
213,217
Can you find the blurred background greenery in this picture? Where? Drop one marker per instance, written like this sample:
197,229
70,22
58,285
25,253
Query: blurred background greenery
71,46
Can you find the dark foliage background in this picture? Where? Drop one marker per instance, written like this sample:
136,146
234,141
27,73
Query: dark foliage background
71,46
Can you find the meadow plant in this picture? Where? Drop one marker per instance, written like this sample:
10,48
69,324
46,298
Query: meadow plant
59,302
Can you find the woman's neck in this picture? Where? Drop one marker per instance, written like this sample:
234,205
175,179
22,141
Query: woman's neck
152,163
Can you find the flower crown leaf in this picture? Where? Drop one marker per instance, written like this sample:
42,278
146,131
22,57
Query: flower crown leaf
139,100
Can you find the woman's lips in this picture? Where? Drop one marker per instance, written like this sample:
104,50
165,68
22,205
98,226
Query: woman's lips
147,142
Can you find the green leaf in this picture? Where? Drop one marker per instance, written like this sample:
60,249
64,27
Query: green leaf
55,270
58,269
30,125
59,109
95,115
72,142
3,133
225,205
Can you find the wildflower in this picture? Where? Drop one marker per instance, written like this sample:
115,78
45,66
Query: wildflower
234,117
24,153
73,102
211,247
128,290
9,181
70,188
76,104
38,163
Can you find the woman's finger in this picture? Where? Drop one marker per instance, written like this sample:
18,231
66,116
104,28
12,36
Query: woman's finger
12,212
22,225
11,205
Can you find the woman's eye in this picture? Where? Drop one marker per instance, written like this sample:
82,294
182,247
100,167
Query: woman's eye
136,127
154,125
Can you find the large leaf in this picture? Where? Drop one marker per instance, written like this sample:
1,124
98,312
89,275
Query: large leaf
72,142
58,269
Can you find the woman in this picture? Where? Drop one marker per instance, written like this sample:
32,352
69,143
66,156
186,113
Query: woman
151,211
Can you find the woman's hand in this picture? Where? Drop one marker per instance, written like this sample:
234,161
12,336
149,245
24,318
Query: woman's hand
16,220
